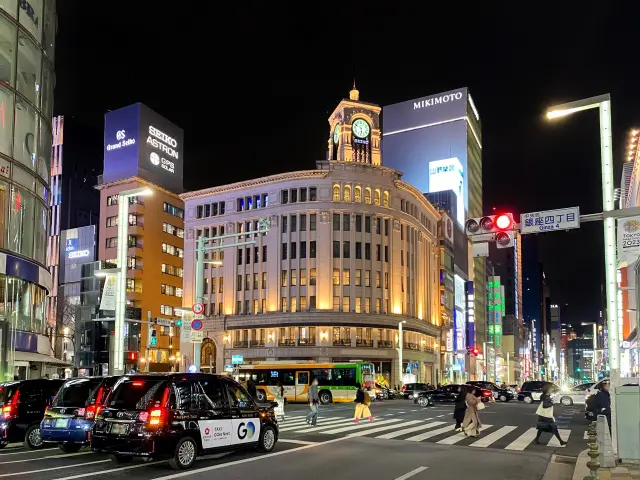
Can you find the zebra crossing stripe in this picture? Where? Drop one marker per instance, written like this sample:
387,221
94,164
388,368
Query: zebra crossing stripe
410,430
493,437
434,433
323,424
453,439
564,434
359,426
303,423
523,440
382,429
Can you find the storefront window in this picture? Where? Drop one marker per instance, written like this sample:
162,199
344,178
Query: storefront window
19,303
6,119
40,236
30,17
21,221
39,299
8,36
44,152
26,135
4,209
47,89
28,81
48,38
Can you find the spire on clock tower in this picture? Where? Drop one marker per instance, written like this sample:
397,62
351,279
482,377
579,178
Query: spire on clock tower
354,134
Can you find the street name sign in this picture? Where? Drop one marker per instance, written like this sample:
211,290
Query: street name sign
550,220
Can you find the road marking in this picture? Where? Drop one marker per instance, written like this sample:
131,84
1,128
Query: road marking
46,458
411,473
410,430
458,437
292,425
27,451
586,435
300,442
55,468
382,429
564,434
434,433
362,424
523,440
111,470
323,426
493,437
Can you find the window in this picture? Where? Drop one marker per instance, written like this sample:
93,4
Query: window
303,249
358,250
367,251
376,197
336,249
239,283
336,193
112,242
336,276
239,398
346,249
173,210
264,280
294,250
377,305
347,193
303,277
336,221
386,227
303,222
312,301
170,290
386,253
312,276
172,250
346,222
112,200
294,278
358,223
367,278
378,248
285,221
358,195
358,278
284,196
264,253
386,280
166,310
367,224
171,270
346,277
239,256
313,194
378,285
367,195
358,302
283,304
378,227
294,223
255,254
367,305
247,281
385,199
312,249
303,304
303,194
283,278
173,230
312,222
294,304
284,251
336,304
294,195
402,258
112,221
199,211
346,304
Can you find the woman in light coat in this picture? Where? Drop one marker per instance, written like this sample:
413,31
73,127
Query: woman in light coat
471,424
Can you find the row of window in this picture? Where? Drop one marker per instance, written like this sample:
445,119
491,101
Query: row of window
113,200
206,290
210,209
167,310
291,223
303,194
345,225
133,242
172,250
290,277
171,290
292,253
247,255
344,194
407,207
133,220
172,270
346,278
346,251
173,230
248,282
252,202
173,210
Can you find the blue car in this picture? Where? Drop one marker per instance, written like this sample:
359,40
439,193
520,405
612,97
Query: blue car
69,419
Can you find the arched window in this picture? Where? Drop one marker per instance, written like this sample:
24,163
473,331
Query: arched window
347,193
367,195
336,193
385,199
358,195
376,197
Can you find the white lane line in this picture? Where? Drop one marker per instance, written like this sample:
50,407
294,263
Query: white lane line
382,429
322,421
49,457
27,451
410,430
257,458
493,437
438,416
362,424
300,442
111,470
319,426
564,434
55,468
411,473
523,440
586,435
434,433
453,439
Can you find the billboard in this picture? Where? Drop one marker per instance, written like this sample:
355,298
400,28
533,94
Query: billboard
77,246
448,174
139,142
425,134
459,316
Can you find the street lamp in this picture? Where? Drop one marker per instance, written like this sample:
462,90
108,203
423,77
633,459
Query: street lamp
603,104
400,346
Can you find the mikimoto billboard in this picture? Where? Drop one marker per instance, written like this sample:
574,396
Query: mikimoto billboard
139,142
423,136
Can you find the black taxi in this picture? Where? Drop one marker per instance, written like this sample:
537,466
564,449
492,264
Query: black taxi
179,416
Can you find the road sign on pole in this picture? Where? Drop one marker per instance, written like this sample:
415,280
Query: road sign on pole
550,220
164,322
198,308
196,336
196,324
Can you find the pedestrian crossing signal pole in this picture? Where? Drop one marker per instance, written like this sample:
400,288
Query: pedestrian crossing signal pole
400,346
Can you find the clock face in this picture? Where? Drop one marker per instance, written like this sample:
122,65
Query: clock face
336,134
360,128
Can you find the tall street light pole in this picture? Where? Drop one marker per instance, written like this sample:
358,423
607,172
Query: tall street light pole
603,104
400,347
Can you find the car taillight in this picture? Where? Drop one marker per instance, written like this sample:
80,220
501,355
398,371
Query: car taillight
11,410
486,393
156,416
89,413
404,388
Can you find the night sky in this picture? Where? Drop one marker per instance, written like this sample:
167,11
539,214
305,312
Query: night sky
252,87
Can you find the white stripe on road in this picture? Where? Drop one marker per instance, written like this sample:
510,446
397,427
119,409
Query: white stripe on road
411,473
410,430
322,426
382,429
523,440
586,435
564,434
434,433
26,451
299,442
321,421
55,468
48,457
111,470
493,437
453,439
361,425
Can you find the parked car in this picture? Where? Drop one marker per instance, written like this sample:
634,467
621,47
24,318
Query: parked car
531,391
22,404
446,394
69,419
498,393
179,417
408,389
574,395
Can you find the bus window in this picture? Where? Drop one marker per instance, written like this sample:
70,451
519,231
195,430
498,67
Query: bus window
323,375
303,378
288,377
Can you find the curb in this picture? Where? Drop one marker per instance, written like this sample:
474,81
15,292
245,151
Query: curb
581,469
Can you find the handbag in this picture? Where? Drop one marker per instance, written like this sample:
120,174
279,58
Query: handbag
480,406
545,412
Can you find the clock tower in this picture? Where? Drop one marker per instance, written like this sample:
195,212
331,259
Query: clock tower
354,134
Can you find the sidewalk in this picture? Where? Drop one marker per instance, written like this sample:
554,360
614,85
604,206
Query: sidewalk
627,472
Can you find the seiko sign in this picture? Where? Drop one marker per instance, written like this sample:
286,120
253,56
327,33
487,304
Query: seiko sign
122,141
166,145
430,102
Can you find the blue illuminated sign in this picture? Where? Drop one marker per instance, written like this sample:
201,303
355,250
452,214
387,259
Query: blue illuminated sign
71,245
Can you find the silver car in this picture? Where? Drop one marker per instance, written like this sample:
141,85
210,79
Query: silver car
574,396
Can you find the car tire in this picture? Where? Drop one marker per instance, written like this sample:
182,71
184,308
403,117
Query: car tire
528,400
423,401
566,401
119,459
2,445
184,455
261,396
70,447
325,397
268,439
503,398
32,438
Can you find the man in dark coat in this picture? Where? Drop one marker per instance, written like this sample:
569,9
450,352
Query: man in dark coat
602,403
251,388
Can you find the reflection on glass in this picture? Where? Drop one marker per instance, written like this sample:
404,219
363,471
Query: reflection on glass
49,34
4,217
40,247
29,77
39,299
47,90
10,6
44,152
21,221
30,17
26,134
7,51
6,122
3,308
19,303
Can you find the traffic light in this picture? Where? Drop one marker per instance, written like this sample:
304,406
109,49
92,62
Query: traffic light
133,356
178,323
474,351
501,226
152,340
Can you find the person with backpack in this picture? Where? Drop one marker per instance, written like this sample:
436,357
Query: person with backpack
363,400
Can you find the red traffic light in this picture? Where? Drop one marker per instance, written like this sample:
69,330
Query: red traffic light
133,355
504,221
476,352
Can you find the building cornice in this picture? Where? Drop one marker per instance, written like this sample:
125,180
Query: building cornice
413,190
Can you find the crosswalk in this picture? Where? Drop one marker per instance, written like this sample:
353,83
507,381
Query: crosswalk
435,430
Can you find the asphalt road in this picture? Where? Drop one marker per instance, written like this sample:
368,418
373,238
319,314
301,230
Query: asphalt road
401,441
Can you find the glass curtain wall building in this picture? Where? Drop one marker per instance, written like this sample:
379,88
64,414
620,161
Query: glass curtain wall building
27,33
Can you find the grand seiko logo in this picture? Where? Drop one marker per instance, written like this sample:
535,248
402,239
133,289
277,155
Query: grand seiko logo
430,102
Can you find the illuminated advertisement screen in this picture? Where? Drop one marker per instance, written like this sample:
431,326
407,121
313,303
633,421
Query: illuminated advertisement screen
448,174
139,142
459,317
420,133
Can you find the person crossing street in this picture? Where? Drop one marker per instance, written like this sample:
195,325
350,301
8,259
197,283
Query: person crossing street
314,402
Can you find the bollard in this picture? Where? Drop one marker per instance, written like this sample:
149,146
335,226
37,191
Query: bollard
593,464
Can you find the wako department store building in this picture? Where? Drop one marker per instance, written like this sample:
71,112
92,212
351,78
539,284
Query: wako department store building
27,31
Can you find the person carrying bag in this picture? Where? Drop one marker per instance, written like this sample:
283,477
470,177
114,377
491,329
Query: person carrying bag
546,421
363,400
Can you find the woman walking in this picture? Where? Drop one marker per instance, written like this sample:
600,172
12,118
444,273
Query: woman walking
471,423
362,405
546,420
460,407
279,397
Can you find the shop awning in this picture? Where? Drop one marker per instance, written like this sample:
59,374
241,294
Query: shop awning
39,357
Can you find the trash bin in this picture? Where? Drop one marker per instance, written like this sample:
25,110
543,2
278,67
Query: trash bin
628,422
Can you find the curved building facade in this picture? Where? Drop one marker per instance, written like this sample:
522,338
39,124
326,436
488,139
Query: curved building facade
27,34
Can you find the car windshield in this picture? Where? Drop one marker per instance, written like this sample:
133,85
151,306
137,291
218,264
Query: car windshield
7,391
74,393
135,393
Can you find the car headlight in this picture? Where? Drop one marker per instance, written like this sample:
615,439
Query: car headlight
416,394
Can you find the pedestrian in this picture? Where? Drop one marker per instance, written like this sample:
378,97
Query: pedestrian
602,403
279,410
546,420
314,401
251,388
362,405
460,407
471,422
